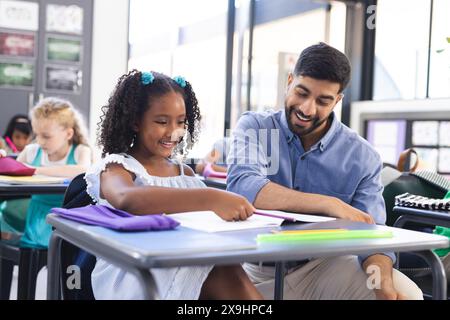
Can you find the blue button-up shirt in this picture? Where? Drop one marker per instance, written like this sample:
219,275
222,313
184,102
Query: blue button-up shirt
341,164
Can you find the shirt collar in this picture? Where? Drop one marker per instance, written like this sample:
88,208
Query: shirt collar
326,139
285,127
322,144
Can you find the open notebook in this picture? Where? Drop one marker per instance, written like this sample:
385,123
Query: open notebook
35,179
210,222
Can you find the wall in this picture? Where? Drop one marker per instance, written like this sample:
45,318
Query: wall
109,55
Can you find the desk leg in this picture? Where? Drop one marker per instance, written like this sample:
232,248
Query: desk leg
53,265
280,270
438,273
399,223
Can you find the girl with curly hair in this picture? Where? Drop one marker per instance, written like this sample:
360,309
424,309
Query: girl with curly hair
149,118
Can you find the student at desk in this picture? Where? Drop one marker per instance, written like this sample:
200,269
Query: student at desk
217,157
143,128
316,165
61,149
17,135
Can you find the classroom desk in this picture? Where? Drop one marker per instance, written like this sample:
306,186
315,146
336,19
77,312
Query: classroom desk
214,182
14,190
135,252
10,244
430,217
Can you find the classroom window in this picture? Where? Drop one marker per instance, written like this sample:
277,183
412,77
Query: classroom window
439,85
401,49
276,46
429,138
277,43
185,38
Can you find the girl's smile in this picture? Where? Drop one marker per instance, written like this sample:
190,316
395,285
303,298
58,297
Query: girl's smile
161,126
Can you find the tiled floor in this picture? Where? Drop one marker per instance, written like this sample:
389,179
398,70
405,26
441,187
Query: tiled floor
41,285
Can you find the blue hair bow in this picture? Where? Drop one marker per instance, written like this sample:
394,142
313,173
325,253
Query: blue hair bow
147,77
180,80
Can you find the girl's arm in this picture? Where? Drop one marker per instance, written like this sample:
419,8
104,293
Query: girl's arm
83,159
217,168
68,171
22,157
212,158
117,187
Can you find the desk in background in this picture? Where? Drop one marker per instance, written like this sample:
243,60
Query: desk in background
138,252
29,260
25,190
217,183
430,217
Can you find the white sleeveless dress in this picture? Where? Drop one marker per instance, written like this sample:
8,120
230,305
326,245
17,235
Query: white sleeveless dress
113,283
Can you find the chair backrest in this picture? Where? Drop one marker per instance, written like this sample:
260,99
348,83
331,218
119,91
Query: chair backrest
76,196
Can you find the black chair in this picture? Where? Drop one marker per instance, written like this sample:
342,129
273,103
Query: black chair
76,196
415,267
410,264
31,261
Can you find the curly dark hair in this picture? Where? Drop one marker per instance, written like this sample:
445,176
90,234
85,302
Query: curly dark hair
129,101
19,122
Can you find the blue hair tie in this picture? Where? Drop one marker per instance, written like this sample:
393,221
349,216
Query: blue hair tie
180,80
147,77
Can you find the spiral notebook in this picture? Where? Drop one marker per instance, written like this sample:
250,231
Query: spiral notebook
420,202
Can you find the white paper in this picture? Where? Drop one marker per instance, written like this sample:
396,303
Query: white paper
299,217
19,15
210,222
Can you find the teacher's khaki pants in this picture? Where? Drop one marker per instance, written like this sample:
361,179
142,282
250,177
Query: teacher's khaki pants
337,278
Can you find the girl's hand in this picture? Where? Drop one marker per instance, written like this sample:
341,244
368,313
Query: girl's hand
2,153
230,206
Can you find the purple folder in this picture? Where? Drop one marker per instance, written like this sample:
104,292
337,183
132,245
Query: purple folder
99,215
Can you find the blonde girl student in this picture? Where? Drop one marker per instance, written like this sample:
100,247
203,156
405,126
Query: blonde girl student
62,150
149,118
